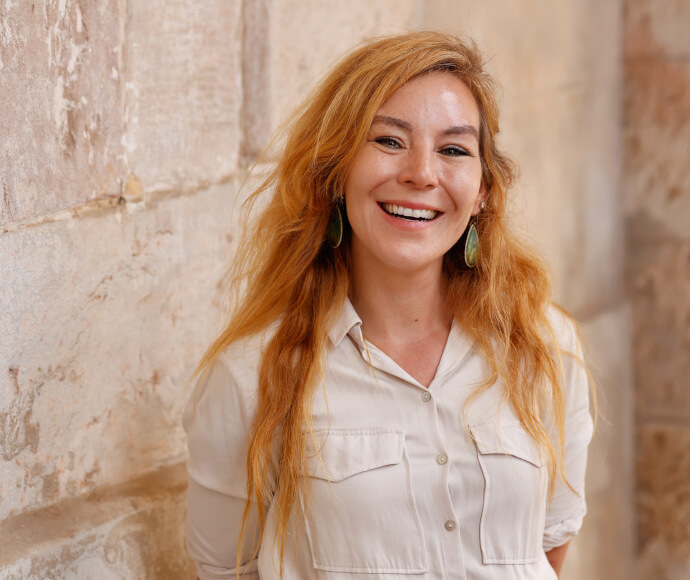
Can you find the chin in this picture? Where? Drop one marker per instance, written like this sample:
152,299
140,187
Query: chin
411,263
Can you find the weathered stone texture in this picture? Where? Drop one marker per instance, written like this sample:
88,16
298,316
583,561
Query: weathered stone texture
130,531
307,36
657,146
537,45
256,79
59,106
604,547
657,118
657,186
657,190
657,28
663,501
183,93
611,451
99,335
660,278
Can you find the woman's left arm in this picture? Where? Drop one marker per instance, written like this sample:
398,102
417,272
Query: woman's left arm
566,511
556,557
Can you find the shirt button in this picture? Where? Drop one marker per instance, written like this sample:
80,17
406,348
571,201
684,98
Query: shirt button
426,396
442,459
450,525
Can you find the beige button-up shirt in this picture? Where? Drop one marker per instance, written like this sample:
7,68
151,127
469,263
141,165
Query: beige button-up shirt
404,486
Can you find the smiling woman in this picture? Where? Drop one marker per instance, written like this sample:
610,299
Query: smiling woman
395,393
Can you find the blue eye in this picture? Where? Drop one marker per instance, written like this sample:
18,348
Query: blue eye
387,142
454,151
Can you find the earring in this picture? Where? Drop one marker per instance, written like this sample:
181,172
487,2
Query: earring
472,246
334,231
472,242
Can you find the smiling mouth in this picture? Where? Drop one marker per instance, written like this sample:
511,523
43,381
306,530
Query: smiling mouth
417,215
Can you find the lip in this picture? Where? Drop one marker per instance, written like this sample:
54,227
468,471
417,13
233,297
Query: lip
408,225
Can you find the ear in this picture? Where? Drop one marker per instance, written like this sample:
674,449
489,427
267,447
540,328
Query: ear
481,197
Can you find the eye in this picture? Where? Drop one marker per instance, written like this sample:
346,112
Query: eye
454,151
388,142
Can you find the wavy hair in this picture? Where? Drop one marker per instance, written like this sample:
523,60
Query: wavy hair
289,279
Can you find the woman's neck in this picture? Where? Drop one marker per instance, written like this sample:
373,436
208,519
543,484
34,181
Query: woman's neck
396,305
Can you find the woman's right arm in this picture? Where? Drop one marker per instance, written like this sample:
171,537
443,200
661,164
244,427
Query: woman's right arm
217,435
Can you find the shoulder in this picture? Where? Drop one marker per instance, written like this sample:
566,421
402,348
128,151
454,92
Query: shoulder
228,386
241,360
574,367
565,329
217,419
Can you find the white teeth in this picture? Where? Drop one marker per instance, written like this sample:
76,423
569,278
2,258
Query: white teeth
426,214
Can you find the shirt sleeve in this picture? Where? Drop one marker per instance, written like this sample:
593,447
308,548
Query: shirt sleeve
564,515
217,435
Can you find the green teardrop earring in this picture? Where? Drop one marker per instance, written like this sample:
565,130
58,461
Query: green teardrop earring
472,241
334,231
472,246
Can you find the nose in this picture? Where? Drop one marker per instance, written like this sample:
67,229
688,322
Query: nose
419,169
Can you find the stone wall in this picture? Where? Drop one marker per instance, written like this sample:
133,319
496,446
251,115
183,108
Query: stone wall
127,128
656,183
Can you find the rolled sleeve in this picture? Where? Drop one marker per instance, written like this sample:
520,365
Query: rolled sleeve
566,511
217,434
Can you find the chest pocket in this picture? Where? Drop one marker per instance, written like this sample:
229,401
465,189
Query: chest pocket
362,517
511,528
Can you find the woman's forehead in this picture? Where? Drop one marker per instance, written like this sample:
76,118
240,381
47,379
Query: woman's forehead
436,98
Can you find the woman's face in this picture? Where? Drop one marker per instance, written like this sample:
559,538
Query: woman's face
418,178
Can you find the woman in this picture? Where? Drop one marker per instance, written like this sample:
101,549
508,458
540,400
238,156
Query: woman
394,394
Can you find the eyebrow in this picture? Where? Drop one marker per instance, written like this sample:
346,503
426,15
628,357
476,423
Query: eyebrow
455,130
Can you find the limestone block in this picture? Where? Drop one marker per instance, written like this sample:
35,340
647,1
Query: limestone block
536,45
103,319
566,201
608,350
655,28
131,531
59,106
610,469
663,500
307,36
660,277
657,145
183,93
603,550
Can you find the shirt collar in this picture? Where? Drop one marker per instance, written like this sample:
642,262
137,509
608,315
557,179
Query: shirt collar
347,322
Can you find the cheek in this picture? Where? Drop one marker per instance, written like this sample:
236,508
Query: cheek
369,170
465,187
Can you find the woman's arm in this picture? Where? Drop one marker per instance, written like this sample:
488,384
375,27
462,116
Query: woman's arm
212,526
556,556
217,434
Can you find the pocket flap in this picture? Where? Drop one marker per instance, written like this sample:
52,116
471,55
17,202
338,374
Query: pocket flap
345,452
506,439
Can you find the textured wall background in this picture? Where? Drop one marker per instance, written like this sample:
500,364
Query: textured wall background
657,195
126,129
